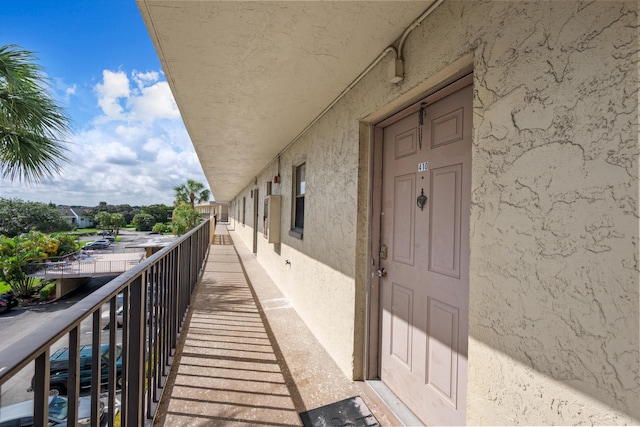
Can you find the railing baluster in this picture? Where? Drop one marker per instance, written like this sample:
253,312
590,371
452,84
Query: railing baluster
112,374
73,379
41,389
172,274
151,319
136,346
96,366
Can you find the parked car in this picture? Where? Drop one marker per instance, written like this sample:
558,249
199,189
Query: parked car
106,316
110,239
7,302
105,233
96,245
21,414
59,369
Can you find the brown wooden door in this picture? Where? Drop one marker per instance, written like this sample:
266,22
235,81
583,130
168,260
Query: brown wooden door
425,294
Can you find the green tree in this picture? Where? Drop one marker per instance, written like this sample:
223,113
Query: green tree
103,219
18,217
127,211
65,243
110,221
32,125
161,213
117,221
143,222
19,252
160,227
14,258
184,219
191,192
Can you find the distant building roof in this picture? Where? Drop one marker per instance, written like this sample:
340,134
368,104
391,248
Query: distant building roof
65,211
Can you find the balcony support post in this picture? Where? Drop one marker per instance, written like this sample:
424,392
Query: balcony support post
135,404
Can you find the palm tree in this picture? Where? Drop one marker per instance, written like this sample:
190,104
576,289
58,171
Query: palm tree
191,192
31,123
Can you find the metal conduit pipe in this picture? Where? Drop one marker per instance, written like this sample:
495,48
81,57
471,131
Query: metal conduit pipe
342,94
398,56
414,25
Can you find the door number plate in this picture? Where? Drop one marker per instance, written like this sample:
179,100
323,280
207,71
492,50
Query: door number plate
423,167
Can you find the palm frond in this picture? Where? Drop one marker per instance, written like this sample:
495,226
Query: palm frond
32,124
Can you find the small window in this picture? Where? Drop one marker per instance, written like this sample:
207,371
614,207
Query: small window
298,201
268,188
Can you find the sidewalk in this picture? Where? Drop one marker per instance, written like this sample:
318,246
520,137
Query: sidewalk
245,357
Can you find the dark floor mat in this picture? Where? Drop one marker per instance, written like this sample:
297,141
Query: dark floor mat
348,412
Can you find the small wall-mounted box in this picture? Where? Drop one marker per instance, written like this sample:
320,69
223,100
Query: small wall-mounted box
271,218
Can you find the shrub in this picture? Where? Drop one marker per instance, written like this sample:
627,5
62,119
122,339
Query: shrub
143,222
160,227
47,290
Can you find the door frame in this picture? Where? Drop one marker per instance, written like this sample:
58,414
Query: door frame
256,219
373,326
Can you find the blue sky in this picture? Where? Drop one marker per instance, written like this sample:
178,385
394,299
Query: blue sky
128,143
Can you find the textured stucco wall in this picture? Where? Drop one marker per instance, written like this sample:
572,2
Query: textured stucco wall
554,289
319,281
554,292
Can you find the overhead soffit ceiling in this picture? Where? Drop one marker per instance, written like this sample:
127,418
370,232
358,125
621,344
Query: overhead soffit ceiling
249,76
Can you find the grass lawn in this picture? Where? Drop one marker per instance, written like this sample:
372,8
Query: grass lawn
85,231
49,288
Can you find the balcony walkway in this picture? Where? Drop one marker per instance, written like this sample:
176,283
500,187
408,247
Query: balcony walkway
245,357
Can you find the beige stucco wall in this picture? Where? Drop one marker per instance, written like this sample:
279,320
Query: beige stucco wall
554,291
319,281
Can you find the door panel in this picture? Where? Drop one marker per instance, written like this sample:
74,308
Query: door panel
403,223
401,328
442,363
444,227
446,128
406,143
424,297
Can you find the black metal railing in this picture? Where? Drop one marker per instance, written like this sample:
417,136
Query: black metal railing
150,300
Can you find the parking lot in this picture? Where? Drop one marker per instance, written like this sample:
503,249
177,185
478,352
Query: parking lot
23,321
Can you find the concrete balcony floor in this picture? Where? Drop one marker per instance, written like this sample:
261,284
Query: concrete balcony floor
245,357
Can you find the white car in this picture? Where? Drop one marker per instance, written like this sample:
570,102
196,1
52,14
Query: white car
22,413
106,316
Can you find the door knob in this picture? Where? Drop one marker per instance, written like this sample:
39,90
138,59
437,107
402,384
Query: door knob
382,272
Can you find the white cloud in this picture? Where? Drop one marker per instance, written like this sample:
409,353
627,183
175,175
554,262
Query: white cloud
116,153
153,145
130,133
69,92
115,86
144,79
154,103
134,152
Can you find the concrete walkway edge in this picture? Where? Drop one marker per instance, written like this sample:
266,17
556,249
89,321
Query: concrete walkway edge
317,377
245,356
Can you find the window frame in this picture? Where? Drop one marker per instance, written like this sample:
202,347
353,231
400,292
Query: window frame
244,210
298,195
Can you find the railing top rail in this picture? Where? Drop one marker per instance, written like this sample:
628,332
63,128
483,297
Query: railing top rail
28,348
